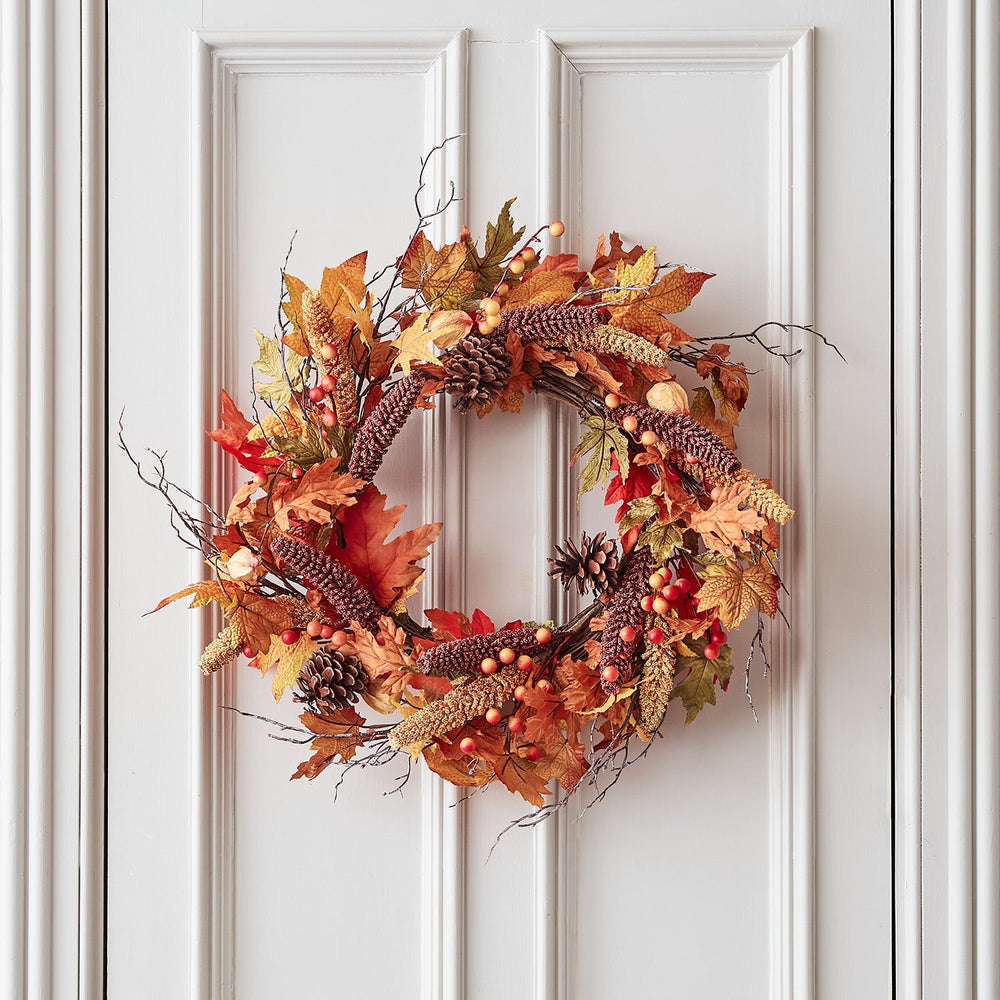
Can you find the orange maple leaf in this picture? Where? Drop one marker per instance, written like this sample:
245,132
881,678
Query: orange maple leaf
735,590
437,274
386,569
339,736
723,524
202,593
644,312
313,497
259,617
541,288
341,285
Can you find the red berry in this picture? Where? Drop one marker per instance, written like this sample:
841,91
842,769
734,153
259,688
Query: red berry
543,635
248,651
525,662
718,638
630,424
493,716
314,628
289,637
655,635
506,655
610,674
672,592
338,638
711,652
533,754
316,393
296,473
627,634
515,724
683,585
329,418
544,685
519,692
326,632
260,479
647,603
467,745
489,665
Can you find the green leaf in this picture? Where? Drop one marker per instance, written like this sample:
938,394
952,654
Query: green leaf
305,451
663,540
697,689
602,438
640,510
278,392
501,238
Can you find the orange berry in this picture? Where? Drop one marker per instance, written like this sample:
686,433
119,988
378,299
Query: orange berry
656,581
326,632
661,606
489,665
610,674
544,685
543,635
630,424
493,716
648,438
338,638
467,745
627,634
490,307
506,655
525,662
314,628
516,266
329,418
612,401
519,692
556,228
647,603
515,724
528,254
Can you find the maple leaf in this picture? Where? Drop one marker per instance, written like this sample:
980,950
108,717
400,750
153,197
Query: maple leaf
313,497
523,777
465,772
580,682
604,438
235,438
414,344
202,593
342,288
730,382
292,308
501,238
564,263
285,376
632,279
723,524
604,257
387,569
339,737
638,482
703,410
305,450
437,274
286,659
566,762
547,713
541,288
259,617
448,625
735,590
645,311
697,688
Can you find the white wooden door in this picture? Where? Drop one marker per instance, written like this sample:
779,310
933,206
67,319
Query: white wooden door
741,858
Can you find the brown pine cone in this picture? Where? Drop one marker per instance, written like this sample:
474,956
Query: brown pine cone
475,371
591,566
330,680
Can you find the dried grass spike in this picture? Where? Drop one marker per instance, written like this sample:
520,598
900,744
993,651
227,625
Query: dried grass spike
318,329
655,687
763,498
222,649
610,340
382,426
456,708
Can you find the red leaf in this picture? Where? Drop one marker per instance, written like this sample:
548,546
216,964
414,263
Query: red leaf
233,439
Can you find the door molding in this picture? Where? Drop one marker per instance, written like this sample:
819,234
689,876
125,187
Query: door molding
786,56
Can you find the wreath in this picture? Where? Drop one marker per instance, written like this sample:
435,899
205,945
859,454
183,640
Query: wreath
314,587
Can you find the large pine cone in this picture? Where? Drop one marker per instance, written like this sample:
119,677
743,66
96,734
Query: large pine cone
330,680
592,566
475,371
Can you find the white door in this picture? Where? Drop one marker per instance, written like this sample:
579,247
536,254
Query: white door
740,858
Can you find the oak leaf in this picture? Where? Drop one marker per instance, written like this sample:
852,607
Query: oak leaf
734,590
723,524
387,569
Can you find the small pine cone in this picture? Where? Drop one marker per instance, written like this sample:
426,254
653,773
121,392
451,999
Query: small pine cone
657,683
338,585
456,708
464,656
541,323
678,430
221,650
330,680
382,426
318,329
475,371
625,611
591,566
763,498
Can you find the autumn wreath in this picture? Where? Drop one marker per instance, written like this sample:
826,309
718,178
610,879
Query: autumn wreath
314,588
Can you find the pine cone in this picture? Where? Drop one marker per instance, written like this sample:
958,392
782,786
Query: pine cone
475,371
330,680
592,566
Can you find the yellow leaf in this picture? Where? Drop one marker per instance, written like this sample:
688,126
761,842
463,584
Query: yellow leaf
287,661
448,327
543,288
723,524
634,278
414,344
735,590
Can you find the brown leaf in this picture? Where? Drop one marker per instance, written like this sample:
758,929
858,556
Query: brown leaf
734,590
437,274
722,525
316,495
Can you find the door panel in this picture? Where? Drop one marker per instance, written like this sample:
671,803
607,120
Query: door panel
751,840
